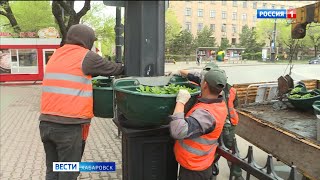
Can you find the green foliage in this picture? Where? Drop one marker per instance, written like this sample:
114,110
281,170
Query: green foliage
295,96
313,35
181,57
252,56
296,90
182,43
170,89
103,26
248,40
172,28
30,16
224,44
205,38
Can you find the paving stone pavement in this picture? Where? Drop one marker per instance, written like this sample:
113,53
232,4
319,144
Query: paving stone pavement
21,151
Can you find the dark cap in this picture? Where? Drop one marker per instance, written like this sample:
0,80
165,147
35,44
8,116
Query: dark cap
81,35
216,78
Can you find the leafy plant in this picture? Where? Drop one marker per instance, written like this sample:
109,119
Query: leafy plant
295,96
170,89
296,90
307,96
95,83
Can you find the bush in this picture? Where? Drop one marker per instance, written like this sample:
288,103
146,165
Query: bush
180,57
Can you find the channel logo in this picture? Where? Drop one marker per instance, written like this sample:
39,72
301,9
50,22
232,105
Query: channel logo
276,13
84,166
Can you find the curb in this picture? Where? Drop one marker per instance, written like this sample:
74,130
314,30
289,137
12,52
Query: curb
20,83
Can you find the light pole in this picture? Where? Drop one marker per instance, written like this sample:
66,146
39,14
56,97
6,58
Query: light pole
273,42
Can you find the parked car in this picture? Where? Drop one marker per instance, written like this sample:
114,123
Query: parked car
315,60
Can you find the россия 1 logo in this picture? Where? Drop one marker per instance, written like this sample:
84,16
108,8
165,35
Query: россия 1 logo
276,13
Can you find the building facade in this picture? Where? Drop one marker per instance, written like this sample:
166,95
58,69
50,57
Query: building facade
224,18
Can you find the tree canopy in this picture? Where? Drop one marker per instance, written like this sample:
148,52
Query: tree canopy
248,40
205,38
27,19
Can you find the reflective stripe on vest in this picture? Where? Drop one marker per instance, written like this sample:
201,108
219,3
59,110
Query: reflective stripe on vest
67,77
201,141
67,91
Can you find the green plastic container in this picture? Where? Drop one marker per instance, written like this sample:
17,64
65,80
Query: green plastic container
143,110
103,97
316,107
306,103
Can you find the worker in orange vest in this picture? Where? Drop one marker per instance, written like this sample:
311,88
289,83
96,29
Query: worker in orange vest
230,96
67,101
198,131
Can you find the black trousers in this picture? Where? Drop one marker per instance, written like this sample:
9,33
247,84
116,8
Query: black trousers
62,143
186,174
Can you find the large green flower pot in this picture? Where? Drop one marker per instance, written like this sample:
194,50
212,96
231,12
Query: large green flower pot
103,97
142,110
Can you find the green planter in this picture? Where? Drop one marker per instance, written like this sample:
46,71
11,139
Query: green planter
103,97
316,107
306,103
143,110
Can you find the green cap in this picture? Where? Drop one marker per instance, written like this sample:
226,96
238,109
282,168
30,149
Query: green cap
216,78
210,66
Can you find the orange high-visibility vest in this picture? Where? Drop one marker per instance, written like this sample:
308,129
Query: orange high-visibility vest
198,153
66,90
234,117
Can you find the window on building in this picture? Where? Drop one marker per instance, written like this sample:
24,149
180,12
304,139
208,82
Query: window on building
224,14
234,41
264,5
212,14
212,2
244,4
244,16
200,12
254,17
200,26
234,28
212,27
273,6
234,3
188,11
200,1
254,5
234,16
290,7
224,3
188,26
19,61
224,28
282,7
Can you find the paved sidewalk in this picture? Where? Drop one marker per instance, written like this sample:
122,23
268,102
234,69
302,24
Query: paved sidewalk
21,150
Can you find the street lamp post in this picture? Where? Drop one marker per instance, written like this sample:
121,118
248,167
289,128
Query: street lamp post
273,42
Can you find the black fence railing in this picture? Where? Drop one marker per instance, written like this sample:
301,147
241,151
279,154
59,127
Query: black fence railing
249,165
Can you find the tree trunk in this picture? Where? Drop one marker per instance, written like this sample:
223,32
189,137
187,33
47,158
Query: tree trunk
66,16
9,14
315,50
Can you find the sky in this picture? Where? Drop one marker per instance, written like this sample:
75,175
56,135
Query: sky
109,10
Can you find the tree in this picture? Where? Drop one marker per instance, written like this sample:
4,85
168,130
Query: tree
6,11
314,37
224,44
248,40
204,38
172,28
103,26
66,16
182,44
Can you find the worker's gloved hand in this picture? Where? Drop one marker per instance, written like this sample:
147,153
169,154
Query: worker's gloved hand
183,96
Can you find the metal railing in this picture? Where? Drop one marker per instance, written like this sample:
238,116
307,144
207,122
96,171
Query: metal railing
249,165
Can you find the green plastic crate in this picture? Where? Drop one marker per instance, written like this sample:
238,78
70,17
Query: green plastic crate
147,110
